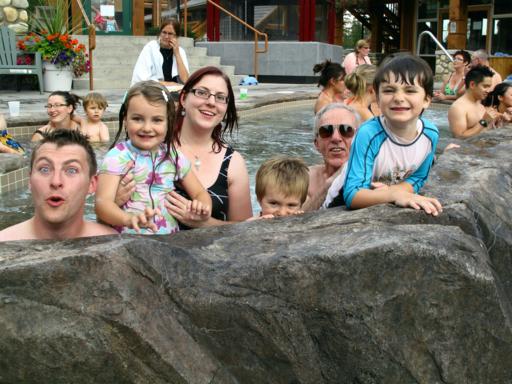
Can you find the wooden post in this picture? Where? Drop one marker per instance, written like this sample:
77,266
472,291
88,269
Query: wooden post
406,25
457,28
138,17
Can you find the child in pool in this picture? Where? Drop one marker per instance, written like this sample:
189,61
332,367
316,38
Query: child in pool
282,187
148,115
7,142
95,105
391,155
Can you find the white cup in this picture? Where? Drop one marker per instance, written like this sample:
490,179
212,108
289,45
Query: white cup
243,93
14,108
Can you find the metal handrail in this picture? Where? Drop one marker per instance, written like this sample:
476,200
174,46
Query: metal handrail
256,32
435,41
92,41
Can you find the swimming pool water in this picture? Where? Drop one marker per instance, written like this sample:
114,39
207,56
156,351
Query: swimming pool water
259,138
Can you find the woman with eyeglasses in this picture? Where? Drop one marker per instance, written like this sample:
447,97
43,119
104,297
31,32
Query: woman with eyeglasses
453,85
206,115
334,128
358,57
163,60
60,108
331,81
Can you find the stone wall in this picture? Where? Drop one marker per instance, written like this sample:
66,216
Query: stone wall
374,296
13,13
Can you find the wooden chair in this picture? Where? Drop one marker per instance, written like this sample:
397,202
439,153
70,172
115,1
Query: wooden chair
8,56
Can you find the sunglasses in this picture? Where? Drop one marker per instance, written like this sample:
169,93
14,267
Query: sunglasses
326,131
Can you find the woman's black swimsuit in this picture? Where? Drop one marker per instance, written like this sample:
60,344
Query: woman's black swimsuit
218,191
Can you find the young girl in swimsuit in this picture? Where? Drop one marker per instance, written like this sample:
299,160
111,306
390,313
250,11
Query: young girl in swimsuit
148,114
453,85
360,84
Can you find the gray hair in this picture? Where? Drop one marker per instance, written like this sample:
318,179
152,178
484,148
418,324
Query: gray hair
481,54
330,107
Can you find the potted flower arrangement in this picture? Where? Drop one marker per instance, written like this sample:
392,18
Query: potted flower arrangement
63,56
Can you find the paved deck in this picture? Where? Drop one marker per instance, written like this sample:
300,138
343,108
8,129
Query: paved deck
33,112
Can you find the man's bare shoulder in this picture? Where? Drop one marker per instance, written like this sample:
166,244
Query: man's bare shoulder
93,228
21,231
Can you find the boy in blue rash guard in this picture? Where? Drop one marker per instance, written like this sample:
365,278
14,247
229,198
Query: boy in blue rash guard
391,155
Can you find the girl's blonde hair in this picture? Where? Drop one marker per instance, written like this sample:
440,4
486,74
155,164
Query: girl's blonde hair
358,81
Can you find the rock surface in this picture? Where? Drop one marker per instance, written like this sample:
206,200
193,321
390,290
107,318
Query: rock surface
380,295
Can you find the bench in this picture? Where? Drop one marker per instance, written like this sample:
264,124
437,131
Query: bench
8,56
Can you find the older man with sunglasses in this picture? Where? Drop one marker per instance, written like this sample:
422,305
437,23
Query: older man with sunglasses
335,126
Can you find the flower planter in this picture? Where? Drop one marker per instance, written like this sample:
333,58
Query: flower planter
57,78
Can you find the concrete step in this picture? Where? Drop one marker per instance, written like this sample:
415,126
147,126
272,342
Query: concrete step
129,41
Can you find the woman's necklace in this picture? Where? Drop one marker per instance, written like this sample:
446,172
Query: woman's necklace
197,162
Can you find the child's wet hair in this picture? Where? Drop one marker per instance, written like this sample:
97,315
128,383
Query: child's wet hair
406,69
155,94
94,98
290,175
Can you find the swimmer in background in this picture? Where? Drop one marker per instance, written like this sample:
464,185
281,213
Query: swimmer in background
95,105
453,86
331,79
360,84
7,143
467,115
281,187
500,101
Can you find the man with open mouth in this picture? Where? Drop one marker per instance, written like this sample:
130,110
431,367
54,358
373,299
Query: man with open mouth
62,174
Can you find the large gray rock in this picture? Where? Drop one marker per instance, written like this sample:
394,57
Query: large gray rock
380,295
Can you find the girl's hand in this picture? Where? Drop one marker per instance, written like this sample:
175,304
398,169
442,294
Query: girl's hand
144,220
126,187
184,210
430,205
200,209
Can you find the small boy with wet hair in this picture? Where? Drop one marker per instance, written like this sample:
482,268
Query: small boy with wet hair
391,155
95,105
282,186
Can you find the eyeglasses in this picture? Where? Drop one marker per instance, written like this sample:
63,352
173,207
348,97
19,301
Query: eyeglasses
365,47
50,106
458,59
172,34
326,131
220,98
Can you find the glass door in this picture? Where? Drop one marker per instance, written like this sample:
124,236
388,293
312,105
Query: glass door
478,29
110,16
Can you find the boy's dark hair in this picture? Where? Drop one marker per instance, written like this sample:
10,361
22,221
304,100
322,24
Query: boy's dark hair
95,98
477,75
328,70
290,175
465,55
230,119
63,137
69,98
406,69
